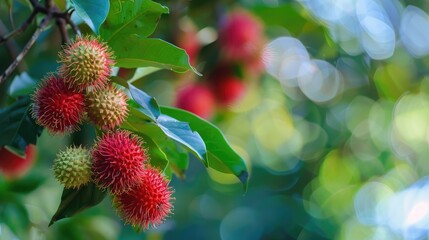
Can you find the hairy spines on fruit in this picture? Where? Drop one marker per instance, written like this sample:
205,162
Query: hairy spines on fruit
86,62
107,107
118,161
72,167
148,203
57,107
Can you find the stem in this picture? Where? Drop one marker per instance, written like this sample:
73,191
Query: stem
71,23
27,47
21,29
11,46
62,26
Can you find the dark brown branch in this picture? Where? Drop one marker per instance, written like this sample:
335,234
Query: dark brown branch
52,12
67,17
11,46
26,48
62,26
19,30
34,3
49,4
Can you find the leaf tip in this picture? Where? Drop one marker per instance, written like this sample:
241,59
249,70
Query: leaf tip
243,177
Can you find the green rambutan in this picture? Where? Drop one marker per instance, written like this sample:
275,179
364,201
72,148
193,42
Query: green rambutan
72,167
86,62
107,107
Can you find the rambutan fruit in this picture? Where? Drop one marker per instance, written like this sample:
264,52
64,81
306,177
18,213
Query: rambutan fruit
118,161
228,89
196,98
13,166
187,39
146,204
107,107
72,167
239,35
57,107
86,62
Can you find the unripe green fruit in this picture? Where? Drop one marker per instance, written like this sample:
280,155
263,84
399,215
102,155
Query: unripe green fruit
72,167
86,62
107,107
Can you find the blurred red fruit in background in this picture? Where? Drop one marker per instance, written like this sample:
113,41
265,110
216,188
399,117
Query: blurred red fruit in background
239,35
187,39
15,166
196,98
228,89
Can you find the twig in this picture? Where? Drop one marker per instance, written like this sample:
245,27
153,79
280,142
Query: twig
26,48
62,26
75,29
21,29
11,46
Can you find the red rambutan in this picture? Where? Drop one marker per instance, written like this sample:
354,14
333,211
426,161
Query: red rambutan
15,166
228,89
86,62
107,107
146,204
239,35
196,98
57,107
118,161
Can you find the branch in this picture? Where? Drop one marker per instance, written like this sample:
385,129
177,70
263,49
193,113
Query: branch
11,46
26,48
67,17
21,29
62,26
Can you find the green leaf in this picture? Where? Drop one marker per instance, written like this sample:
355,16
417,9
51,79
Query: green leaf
138,17
183,134
164,153
15,216
22,85
164,129
286,15
17,128
179,159
149,52
74,201
93,12
157,156
221,156
142,72
148,103
27,184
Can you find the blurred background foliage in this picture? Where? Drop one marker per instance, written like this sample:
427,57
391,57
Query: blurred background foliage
335,131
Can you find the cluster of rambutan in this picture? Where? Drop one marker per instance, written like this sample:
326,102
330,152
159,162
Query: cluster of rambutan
118,161
240,42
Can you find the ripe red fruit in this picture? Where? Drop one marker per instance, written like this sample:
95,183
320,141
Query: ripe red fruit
196,98
57,107
86,62
118,161
107,107
15,166
146,204
239,35
228,89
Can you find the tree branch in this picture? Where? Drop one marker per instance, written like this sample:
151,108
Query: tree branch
26,48
11,46
62,26
21,29
67,17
